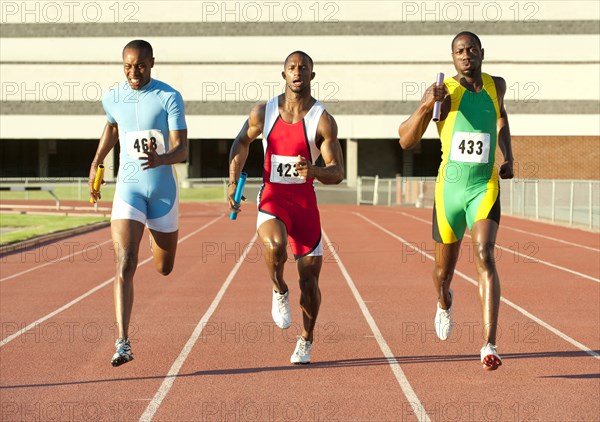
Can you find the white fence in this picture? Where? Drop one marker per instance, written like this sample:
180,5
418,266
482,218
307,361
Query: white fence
574,202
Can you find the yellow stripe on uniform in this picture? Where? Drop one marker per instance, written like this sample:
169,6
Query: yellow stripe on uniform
446,127
490,87
489,199
446,232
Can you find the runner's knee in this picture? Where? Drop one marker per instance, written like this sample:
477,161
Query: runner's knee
164,268
127,262
276,251
442,274
484,254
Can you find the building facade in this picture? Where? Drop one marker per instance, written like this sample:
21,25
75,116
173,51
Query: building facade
373,61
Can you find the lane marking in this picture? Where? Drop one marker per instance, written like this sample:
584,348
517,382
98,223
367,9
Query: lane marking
50,262
62,308
92,291
504,226
555,239
532,259
167,383
529,315
407,389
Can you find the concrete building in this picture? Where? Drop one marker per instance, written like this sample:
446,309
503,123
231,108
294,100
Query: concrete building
373,60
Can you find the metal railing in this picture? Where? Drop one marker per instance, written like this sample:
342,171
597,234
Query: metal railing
79,184
575,202
572,202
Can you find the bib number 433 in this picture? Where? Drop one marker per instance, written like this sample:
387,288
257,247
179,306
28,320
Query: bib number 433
470,147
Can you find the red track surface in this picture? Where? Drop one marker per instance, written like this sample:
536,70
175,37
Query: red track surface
237,367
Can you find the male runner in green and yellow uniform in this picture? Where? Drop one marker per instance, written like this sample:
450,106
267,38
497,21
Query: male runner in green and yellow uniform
472,122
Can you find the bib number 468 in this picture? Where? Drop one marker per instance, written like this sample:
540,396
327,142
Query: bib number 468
144,145
142,142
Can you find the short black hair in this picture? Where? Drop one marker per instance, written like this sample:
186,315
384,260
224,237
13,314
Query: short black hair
302,53
467,33
140,45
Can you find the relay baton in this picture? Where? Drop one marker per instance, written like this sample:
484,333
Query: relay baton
98,181
237,197
438,104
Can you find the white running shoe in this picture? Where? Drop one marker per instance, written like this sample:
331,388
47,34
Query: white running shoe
280,309
302,351
123,353
443,319
489,357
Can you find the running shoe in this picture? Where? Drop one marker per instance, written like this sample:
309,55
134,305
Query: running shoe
489,357
280,309
443,319
123,353
302,351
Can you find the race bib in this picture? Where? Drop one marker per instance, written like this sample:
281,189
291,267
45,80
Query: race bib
140,142
470,147
283,170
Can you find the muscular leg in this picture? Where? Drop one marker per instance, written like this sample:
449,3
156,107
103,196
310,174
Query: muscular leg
164,247
309,268
446,256
126,235
273,234
484,238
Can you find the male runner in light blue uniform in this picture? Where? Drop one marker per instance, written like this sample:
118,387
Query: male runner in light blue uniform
147,116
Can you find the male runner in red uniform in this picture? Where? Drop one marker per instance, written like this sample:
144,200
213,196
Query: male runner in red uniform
296,130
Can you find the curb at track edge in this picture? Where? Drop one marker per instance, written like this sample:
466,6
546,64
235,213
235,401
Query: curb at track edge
36,241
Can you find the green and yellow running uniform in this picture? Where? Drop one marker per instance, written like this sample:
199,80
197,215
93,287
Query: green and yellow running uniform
467,187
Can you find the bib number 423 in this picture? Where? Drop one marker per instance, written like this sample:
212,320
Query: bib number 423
283,170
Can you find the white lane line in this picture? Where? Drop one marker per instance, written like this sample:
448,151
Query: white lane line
62,308
555,239
54,261
504,226
91,291
407,389
529,315
529,258
167,383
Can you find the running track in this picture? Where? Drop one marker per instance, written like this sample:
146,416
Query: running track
206,349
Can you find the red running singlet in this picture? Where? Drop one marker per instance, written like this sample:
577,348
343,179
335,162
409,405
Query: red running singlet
284,194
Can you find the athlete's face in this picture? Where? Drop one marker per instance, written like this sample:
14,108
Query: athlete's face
298,73
467,55
137,65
